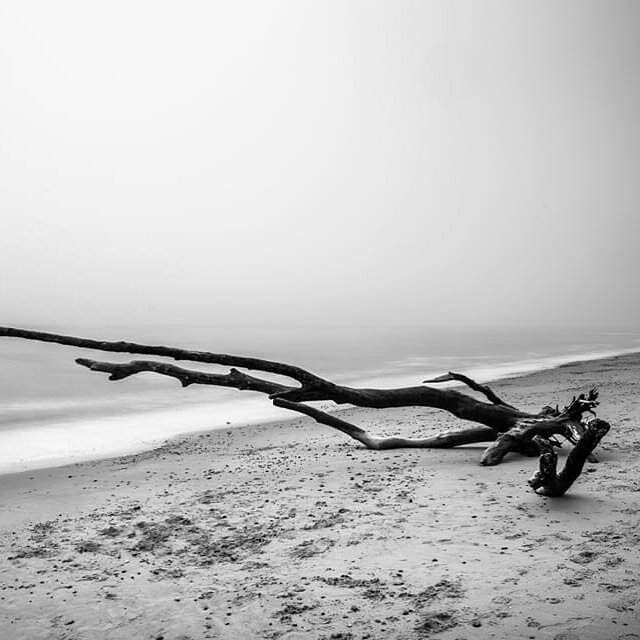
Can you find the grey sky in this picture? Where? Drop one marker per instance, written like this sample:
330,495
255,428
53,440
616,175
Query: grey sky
319,162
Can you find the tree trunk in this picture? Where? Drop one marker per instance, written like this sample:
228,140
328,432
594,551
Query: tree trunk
506,427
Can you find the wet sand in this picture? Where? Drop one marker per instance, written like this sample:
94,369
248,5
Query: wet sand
291,530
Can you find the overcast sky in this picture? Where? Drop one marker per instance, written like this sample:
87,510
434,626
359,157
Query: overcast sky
319,162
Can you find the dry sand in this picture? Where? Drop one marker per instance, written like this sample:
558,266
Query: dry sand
292,531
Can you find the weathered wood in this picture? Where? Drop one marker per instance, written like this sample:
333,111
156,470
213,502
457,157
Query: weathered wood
508,429
521,438
472,384
121,346
311,387
547,481
446,440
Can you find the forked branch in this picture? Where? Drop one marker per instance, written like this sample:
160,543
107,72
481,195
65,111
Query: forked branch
506,427
472,384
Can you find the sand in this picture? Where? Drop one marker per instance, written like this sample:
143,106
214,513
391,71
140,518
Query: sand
290,531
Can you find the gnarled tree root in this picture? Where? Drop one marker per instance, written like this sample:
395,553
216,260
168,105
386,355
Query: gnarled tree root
547,481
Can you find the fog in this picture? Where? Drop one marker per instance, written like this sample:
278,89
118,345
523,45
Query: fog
319,163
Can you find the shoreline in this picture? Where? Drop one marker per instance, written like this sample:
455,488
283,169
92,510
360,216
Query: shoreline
289,531
147,446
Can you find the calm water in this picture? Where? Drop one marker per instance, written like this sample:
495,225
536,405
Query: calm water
52,411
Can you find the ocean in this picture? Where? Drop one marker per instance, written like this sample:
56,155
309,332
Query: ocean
53,412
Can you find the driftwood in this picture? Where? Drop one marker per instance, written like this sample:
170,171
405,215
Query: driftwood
507,428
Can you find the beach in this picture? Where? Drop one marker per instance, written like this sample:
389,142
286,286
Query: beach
291,530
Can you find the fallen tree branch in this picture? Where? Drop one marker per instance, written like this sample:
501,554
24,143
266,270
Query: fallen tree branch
472,384
312,387
444,440
508,429
235,379
224,359
242,381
